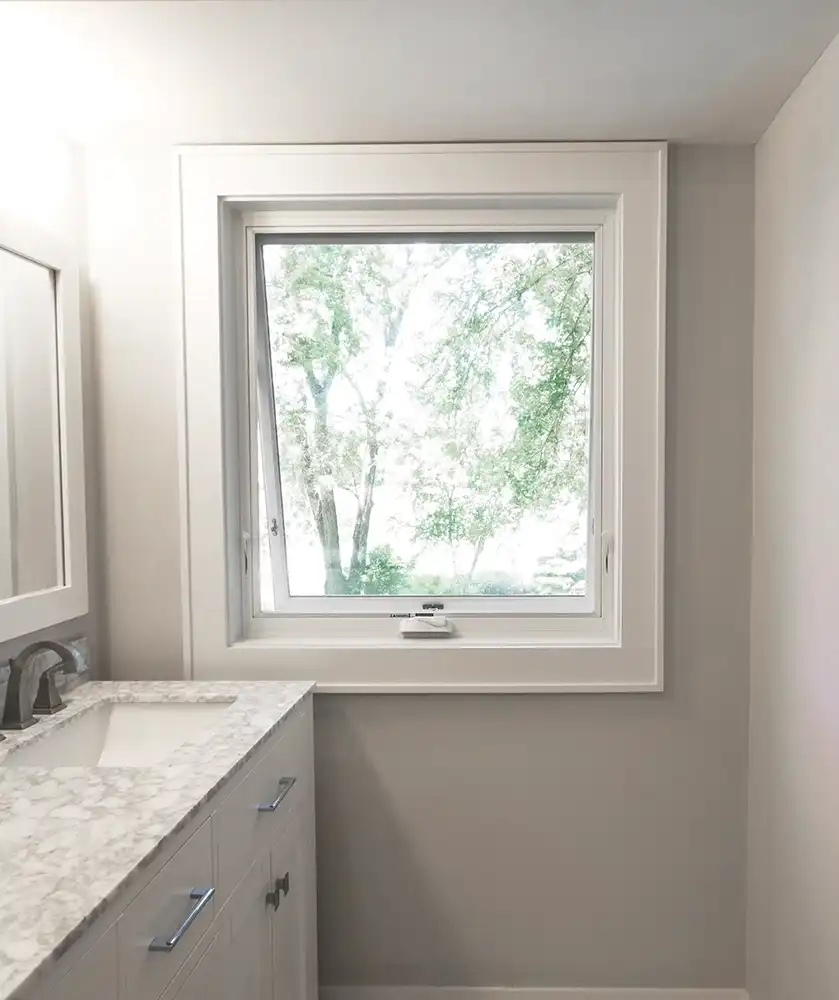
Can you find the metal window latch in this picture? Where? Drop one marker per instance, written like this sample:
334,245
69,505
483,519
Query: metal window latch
275,528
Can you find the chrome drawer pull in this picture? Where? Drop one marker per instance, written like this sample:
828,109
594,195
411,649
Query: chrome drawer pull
285,788
201,897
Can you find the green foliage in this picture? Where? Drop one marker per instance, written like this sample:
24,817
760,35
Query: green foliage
494,426
383,573
431,585
482,585
560,572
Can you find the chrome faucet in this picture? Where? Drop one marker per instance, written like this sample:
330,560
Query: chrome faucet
17,713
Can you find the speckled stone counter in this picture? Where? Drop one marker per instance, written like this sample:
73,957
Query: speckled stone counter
72,838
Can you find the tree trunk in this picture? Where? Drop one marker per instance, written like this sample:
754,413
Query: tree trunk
479,548
326,517
361,531
336,582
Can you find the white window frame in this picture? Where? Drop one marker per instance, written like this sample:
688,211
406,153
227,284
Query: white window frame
227,196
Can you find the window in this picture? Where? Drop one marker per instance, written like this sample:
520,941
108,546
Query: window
424,379
425,423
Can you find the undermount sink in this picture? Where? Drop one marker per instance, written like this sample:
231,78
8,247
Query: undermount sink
119,734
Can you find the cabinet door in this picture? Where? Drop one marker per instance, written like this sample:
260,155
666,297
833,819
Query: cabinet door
288,920
94,976
205,980
248,961
294,925
306,843
178,899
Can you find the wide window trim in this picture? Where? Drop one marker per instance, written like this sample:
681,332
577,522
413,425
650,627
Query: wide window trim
227,196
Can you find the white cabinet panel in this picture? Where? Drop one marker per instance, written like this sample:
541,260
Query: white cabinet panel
94,975
307,848
251,817
288,920
205,980
164,906
248,961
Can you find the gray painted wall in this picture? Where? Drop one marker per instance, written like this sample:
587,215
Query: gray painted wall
794,780
579,840
565,840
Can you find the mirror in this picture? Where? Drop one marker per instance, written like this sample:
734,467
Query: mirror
31,534
43,571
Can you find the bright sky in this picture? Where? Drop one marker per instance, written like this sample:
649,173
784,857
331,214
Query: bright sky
512,552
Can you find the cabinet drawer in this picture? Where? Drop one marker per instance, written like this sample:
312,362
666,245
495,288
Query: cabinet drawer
202,976
250,818
94,975
163,924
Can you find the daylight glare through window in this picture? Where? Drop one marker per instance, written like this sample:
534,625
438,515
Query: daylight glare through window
427,422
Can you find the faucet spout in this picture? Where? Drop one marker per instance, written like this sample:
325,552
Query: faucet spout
19,706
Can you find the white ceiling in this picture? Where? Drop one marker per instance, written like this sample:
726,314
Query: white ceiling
396,70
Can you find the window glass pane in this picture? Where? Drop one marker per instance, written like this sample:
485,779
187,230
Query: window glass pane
433,410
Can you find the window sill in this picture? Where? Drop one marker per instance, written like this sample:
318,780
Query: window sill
382,687
442,666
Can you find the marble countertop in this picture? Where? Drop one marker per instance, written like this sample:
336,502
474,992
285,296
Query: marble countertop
72,838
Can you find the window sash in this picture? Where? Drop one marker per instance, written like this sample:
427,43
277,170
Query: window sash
456,226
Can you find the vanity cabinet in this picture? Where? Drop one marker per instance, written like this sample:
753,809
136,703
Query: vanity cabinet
204,976
231,913
95,975
237,962
247,949
150,923
288,950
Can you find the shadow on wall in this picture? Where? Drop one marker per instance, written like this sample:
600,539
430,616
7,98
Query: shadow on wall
408,899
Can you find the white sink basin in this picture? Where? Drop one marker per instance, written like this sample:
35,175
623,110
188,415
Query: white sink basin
119,734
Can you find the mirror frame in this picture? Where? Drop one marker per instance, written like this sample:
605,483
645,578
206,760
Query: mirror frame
30,612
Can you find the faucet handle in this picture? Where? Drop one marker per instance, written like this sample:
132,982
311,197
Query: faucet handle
48,700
